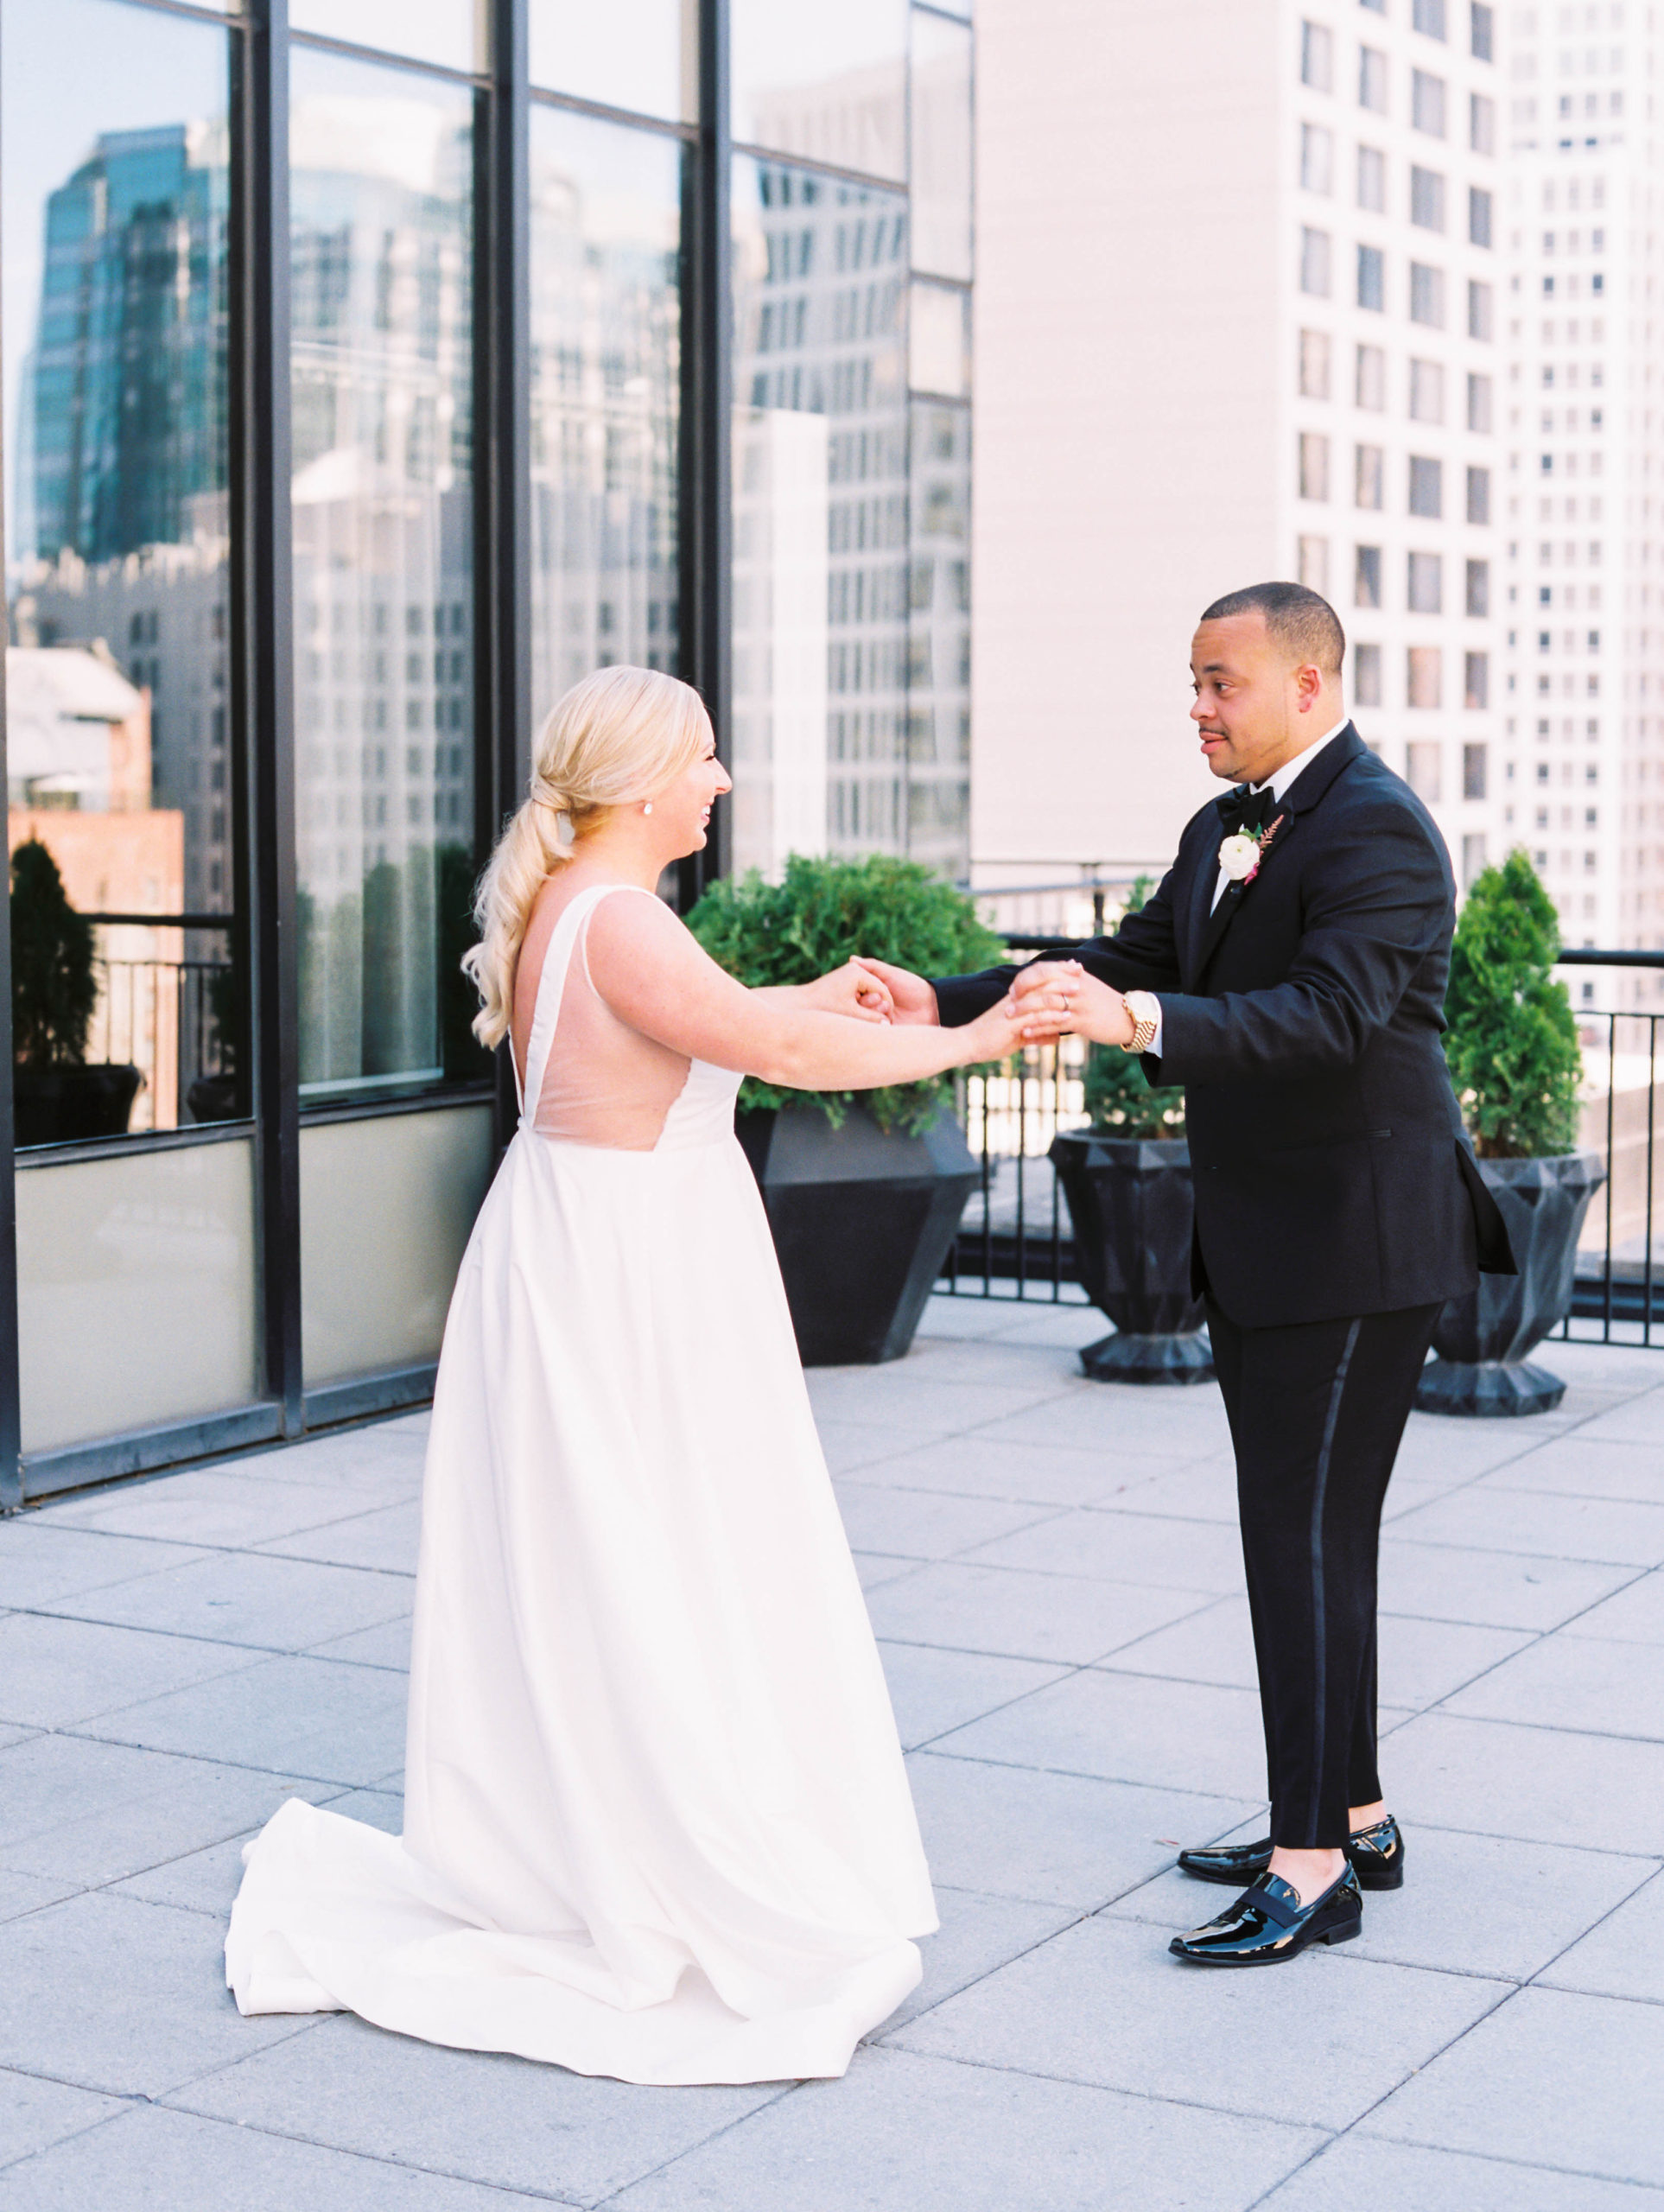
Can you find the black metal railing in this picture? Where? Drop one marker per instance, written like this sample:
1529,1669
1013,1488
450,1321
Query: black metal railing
1014,1241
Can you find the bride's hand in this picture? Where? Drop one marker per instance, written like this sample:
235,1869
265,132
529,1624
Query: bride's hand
851,989
1007,1026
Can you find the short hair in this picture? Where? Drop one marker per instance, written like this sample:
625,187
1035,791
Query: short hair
1301,621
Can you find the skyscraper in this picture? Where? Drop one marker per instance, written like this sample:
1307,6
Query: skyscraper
1238,321
1584,705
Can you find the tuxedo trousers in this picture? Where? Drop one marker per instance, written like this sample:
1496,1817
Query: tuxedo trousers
1316,1413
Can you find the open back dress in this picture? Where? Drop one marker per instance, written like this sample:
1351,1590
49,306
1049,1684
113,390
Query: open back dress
657,1822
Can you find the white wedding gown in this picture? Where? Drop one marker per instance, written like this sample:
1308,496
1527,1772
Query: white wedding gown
657,1822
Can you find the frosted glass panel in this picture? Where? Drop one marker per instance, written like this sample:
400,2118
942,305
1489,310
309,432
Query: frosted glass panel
386,1207
451,32
632,53
136,1290
826,82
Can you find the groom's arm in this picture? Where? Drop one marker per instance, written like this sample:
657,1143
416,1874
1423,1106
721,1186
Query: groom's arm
1142,955
1373,914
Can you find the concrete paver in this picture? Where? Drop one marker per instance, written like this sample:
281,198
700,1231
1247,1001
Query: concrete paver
1054,1578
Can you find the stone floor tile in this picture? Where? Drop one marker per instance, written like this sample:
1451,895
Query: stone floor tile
974,1318
386,1645
903,2133
1490,1589
876,1569
1633,1615
85,1813
204,1882
1361,2171
935,1691
379,1455
385,1537
1006,1610
1551,2079
112,1993
324,1718
1421,1660
1620,1956
243,1597
1181,1736
1437,1449
488,2118
1038,1474
1563,1681
22,1893
977,1935
1135,1423
1203,1490
849,1445
155,2158
1032,1367
924,1524
878,1396
1066,1326
1125,1547
34,2114
1580,1466
1640,1420
1470,1903
1064,1840
1320,2041
57,1674
244,1504
1549,1785
40,1561
1622,1533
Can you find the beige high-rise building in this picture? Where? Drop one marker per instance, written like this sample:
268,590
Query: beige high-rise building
1239,317
1583,725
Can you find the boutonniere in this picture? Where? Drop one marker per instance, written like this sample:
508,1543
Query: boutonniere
1240,855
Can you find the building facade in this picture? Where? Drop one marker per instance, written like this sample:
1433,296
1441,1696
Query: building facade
1256,301
373,372
1584,704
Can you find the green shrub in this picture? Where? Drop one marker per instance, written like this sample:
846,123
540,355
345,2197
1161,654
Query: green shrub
823,911
54,989
1119,1097
1512,1041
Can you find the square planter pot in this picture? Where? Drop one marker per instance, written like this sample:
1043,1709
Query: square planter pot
1134,1212
862,1219
66,1105
1482,1340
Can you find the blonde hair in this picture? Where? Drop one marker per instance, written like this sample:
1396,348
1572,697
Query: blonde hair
619,736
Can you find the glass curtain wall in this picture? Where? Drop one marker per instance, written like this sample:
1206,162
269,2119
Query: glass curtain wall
282,628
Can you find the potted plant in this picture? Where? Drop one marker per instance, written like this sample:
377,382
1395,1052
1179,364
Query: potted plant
864,1191
1126,1179
58,1098
1512,1045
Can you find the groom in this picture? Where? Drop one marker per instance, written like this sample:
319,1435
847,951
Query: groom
1290,972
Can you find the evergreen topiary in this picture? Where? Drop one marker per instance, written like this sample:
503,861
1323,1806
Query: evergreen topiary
1512,1039
1119,1097
54,988
823,911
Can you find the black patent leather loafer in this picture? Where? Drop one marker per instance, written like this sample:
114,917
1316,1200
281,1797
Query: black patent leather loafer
1374,1854
1268,1924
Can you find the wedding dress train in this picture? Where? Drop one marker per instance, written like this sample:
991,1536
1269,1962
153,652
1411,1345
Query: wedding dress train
656,1822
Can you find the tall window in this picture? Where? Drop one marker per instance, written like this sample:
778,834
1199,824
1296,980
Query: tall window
1425,685
1427,487
1369,384
381,170
1481,310
1428,199
1372,278
1479,402
1317,158
1314,466
1427,103
1479,211
1366,675
1427,391
1372,180
1482,124
1478,495
1427,295
1314,364
1425,592
1478,588
1366,577
1315,262
1429,18
1372,79
1481,32
1317,57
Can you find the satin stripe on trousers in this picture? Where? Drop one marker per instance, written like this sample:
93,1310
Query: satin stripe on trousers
1316,1413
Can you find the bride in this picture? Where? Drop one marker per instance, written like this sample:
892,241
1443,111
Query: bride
656,1822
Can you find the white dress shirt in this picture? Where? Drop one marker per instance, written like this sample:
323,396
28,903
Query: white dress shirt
1280,784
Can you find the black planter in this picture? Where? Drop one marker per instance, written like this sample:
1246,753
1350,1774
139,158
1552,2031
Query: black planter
66,1105
1131,1204
1482,1340
862,1221
212,1099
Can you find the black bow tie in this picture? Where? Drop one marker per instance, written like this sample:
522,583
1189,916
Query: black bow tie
1242,809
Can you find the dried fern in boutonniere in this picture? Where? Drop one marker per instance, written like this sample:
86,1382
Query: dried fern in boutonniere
1241,853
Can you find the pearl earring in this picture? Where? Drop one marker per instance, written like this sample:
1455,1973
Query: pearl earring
647,806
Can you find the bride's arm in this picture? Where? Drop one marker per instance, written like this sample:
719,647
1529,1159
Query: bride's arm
654,975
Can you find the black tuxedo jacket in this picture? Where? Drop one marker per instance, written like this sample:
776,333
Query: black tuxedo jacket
1303,1016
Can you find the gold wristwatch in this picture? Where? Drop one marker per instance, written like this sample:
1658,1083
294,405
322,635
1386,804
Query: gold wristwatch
1146,1020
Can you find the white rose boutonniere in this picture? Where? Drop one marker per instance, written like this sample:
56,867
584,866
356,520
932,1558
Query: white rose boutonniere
1240,855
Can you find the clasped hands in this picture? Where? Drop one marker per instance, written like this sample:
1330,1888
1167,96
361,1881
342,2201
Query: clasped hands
1048,999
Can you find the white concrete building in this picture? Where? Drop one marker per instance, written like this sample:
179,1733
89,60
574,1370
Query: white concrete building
1239,317
1583,725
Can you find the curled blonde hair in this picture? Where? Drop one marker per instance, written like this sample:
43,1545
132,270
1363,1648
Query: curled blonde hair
618,737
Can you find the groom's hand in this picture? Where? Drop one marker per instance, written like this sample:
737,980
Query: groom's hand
911,998
1087,1007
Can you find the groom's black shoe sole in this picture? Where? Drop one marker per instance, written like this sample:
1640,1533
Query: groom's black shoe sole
1267,1926
1375,1856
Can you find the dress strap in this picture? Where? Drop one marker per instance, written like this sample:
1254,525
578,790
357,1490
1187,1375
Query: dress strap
551,985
